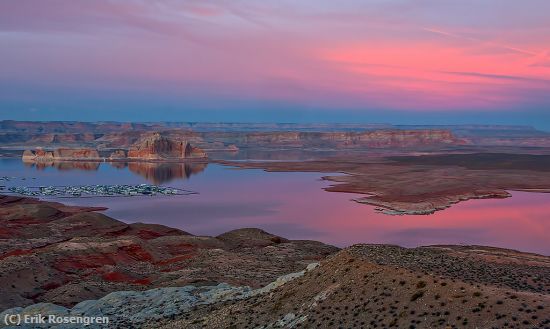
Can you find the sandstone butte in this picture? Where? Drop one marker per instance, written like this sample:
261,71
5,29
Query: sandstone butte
149,147
157,147
60,154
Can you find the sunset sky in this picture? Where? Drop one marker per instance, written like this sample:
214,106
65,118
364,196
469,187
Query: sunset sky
396,61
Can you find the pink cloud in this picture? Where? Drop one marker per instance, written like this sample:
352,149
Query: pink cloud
347,55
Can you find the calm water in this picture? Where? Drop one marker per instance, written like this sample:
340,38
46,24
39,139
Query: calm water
294,205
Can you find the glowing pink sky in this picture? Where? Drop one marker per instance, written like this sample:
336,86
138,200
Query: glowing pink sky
72,58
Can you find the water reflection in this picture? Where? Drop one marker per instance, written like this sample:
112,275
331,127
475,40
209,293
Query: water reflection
63,165
295,205
154,172
159,173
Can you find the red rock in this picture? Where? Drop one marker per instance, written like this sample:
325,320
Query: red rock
79,262
174,260
144,281
118,154
118,277
51,285
146,231
157,147
60,154
7,233
137,253
16,252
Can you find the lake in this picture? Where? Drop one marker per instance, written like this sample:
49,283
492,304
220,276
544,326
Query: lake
293,205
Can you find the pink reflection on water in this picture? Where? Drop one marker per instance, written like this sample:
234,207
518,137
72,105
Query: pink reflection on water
294,205
520,222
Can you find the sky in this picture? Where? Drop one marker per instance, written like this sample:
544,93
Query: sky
384,61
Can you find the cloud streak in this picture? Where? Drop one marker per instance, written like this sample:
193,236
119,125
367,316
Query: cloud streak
484,42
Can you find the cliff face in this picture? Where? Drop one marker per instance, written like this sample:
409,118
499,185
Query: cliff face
365,139
406,138
37,127
158,147
38,155
60,154
80,153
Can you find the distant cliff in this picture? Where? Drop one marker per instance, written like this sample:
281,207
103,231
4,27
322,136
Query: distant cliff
231,136
367,139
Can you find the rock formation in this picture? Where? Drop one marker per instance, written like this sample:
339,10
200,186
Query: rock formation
388,138
118,154
76,153
220,136
142,306
38,155
60,154
157,147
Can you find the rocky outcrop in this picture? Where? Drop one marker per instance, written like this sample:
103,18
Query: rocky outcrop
141,306
158,147
118,154
76,154
159,303
38,155
361,286
64,255
381,286
60,154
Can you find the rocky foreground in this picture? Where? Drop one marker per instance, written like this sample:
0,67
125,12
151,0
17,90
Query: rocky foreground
363,286
54,253
74,261
376,286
